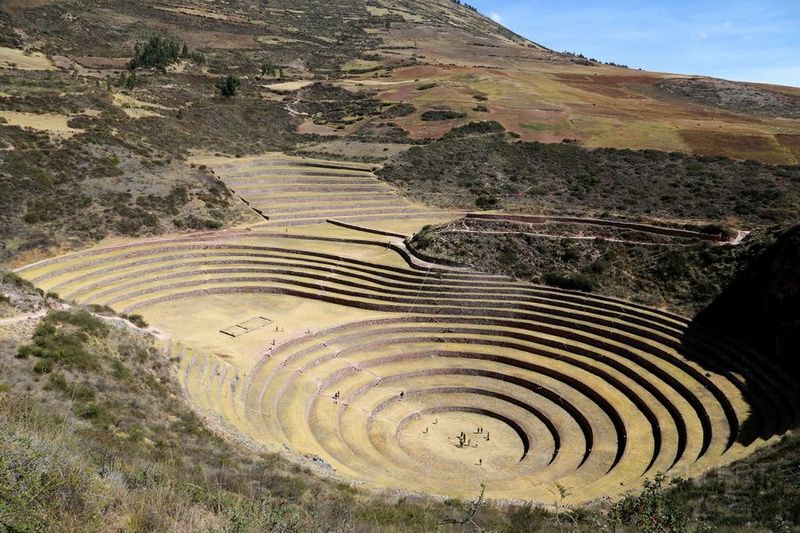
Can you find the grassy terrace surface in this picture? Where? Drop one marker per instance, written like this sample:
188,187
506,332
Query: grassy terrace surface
373,362
297,191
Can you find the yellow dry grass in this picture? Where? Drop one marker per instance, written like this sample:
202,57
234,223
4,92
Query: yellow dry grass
52,123
289,85
135,108
14,58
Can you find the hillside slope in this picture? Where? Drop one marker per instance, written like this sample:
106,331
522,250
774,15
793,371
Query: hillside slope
434,55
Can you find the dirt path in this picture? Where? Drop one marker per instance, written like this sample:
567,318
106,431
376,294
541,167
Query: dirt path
22,318
290,107
530,220
622,224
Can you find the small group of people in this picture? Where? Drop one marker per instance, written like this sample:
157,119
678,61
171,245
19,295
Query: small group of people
463,441
479,431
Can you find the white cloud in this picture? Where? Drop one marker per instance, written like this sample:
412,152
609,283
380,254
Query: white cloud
496,17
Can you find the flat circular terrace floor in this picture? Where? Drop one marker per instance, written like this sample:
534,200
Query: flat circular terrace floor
335,343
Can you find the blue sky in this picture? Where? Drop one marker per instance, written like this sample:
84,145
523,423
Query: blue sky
734,39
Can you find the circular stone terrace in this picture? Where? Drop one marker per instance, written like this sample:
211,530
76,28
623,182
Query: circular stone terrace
337,342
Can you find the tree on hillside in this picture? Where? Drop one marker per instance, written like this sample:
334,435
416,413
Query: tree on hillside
228,86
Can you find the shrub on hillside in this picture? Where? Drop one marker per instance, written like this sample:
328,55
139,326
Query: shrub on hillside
136,320
487,202
398,110
62,338
650,511
574,282
475,128
441,114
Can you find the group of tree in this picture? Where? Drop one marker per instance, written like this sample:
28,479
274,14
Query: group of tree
593,60
468,6
126,81
160,52
270,69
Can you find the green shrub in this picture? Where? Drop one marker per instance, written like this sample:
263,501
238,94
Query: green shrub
118,370
24,352
83,320
441,114
573,282
54,341
385,514
475,128
101,309
398,110
527,518
136,320
44,366
229,86
487,202
651,511
14,279
39,483
420,241
92,411
74,391
194,222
